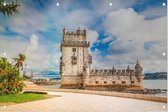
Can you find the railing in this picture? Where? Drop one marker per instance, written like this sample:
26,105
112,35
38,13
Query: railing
76,43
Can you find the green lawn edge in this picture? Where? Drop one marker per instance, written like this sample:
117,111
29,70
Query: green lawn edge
21,98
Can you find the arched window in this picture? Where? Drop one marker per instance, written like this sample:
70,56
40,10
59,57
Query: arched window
74,49
74,60
97,82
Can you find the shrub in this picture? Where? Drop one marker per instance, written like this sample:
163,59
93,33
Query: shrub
10,79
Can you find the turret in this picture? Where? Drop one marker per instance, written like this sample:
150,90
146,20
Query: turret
64,31
138,71
86,72
78,30
84,32
128,69
86,69
113,70
138,68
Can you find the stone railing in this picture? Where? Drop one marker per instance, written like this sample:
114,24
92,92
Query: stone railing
76,43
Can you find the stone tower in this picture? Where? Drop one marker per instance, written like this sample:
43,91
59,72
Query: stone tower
75,57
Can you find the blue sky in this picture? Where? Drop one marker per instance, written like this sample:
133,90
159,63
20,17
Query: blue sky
119,34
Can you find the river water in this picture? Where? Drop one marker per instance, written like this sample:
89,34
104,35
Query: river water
155,84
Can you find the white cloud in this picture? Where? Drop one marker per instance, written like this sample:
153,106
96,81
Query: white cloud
154,12
38,58
33,43
102,7
92,36
130,28
107,39
28,21
132,32
127,24
77,17
11,46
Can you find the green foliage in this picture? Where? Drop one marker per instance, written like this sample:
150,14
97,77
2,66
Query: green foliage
20,98
19,61
10,79
9,9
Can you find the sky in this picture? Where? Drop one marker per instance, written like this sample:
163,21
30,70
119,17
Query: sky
120,32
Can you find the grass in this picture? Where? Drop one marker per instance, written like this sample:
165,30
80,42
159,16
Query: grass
20,98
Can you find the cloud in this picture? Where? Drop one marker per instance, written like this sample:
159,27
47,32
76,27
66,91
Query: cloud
92,36
32,26
127,24
38,31
38,56
132,31
107,39
102,7
154,12
11,46
25,25
33,43
76,18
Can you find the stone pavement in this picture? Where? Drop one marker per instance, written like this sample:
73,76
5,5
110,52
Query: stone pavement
76,102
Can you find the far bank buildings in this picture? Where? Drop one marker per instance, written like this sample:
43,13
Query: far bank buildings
76,72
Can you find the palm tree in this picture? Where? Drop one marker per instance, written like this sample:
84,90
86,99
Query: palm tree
19,61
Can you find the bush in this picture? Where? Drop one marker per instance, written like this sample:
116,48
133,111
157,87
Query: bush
10,79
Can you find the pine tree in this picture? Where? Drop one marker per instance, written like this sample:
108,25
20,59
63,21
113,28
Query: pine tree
9,9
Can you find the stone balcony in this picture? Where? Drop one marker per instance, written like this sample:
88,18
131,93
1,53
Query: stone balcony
75,43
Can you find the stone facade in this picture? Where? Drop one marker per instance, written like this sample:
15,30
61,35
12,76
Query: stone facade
76,72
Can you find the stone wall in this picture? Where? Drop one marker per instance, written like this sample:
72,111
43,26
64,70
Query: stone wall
71,81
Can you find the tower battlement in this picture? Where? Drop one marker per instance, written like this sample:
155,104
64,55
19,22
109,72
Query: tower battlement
74,36
77,32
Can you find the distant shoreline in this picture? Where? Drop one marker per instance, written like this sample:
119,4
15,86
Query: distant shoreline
156,76
155,79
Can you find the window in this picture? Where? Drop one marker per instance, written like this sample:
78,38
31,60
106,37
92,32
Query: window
97,82
74,60
132,82
90,59
74,49
105,82
123,82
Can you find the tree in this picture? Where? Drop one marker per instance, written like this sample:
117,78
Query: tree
9,9
19,61
10,79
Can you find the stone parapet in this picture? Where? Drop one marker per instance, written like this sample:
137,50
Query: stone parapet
77,32
112,72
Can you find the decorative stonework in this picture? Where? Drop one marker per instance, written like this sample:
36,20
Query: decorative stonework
76,72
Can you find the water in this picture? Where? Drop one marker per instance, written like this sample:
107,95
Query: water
155,84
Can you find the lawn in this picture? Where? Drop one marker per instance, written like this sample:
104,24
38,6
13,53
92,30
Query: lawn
20,98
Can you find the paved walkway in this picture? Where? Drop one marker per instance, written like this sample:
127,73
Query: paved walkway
75,102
